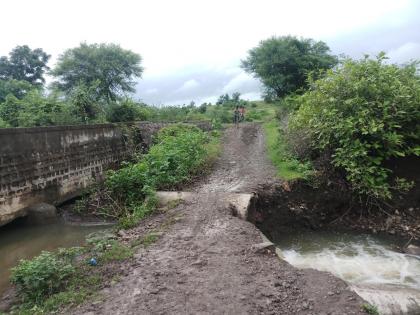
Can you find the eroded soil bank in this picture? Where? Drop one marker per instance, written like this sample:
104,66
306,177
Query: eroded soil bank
290,206
206,260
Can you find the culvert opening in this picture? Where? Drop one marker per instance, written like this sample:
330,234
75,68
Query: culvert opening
371,264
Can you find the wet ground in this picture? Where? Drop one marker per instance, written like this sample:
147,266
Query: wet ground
206,261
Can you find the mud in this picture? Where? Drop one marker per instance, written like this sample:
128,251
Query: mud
206,261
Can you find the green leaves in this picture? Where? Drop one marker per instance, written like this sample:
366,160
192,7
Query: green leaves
110,68
180,150
364,112
284,63
41,276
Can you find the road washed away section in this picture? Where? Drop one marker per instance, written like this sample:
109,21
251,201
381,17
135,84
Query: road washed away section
210,261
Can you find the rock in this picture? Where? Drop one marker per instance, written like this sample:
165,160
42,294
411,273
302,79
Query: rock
42,213
263,247
412,250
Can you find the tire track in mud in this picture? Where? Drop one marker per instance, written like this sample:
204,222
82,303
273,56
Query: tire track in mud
205,262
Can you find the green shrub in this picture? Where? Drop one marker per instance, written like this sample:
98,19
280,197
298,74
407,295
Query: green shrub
126,110
179,151
42,276
363,113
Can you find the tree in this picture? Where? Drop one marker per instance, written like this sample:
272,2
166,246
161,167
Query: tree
16,88
236,97
125,110
24,64
283,63
110,68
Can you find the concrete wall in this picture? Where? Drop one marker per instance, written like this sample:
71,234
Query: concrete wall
54,164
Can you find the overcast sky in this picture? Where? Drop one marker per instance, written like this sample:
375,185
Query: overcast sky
192,49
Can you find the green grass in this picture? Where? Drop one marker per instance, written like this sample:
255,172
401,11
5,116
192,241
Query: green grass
370,309
80,288
288,167
116,251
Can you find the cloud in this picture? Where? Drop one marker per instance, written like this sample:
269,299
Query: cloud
242,81
151,91
405,53
188,85
203,84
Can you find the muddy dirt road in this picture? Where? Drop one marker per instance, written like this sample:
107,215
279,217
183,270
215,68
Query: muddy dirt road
205,262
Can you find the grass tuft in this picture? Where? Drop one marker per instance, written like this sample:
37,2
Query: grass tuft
288,167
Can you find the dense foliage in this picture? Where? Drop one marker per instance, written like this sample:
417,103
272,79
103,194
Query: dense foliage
283,63
24,64
128,195
107,67
41,276
363,113
179,151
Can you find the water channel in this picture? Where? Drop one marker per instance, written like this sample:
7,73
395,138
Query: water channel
19,240
370,264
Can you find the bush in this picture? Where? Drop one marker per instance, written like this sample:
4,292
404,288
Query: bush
179,152
363,113
42,276
126,110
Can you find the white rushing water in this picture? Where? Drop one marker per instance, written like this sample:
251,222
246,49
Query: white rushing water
375,270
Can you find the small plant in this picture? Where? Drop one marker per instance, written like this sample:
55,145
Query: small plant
42,276
116,251
370,309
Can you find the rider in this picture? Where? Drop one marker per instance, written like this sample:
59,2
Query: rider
236,115
242,112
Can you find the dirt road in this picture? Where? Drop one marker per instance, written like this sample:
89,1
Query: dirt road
205,262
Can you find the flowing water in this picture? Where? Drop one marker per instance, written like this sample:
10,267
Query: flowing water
371,264
21,241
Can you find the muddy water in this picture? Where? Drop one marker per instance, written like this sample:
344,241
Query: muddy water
370,264
20,241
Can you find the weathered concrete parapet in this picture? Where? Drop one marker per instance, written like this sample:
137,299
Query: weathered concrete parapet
54,164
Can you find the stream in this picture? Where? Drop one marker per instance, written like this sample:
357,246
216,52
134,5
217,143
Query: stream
19,240
370,264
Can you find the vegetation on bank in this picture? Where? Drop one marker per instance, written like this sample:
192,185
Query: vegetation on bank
180,152
288,166
55,281
358,117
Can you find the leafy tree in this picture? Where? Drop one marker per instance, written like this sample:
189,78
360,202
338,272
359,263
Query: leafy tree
364,113
14,87
236,97
35,109
203,108
9,110
25,64
223,99
125,110
83,98
3,124
109,68
283,63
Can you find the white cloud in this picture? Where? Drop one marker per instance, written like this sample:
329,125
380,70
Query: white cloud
405,53
188,86
251,96
240,81
151,91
